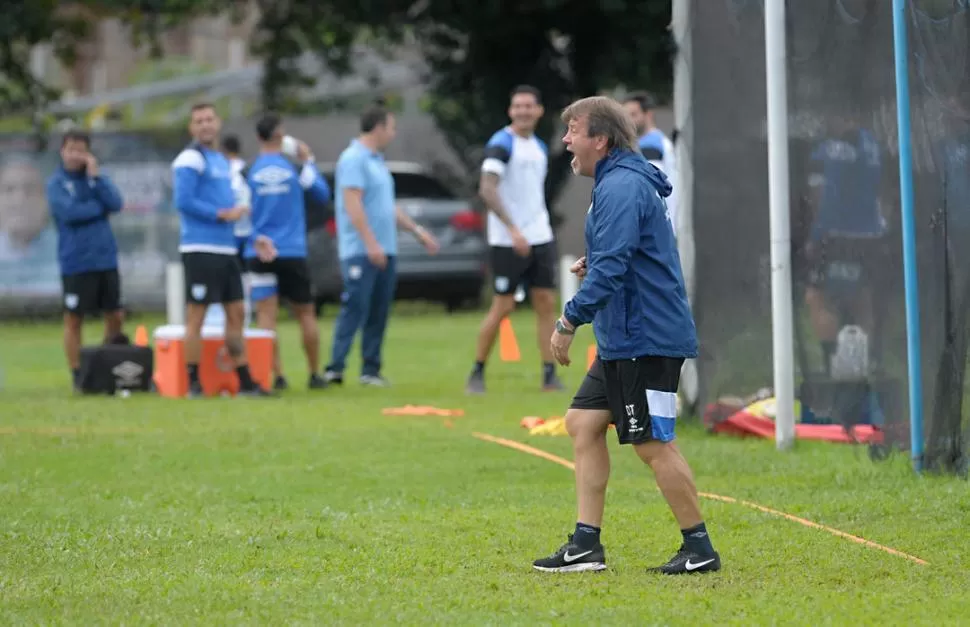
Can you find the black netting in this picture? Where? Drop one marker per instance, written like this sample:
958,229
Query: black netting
850,334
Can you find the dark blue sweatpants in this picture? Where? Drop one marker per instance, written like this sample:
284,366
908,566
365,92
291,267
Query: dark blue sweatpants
367,296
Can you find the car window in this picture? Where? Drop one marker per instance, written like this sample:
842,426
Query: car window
407,185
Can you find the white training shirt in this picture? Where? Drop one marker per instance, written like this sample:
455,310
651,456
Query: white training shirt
659,151
521,164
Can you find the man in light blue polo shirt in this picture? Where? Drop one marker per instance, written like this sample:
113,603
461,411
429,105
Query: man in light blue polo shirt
367,219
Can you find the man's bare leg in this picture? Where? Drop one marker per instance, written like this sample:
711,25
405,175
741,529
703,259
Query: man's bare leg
113,323
72,344
544,303
194,318
310,332
825,323
584,551
502,306
267,314
676,483
236,347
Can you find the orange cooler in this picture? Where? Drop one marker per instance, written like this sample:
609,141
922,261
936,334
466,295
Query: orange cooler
216,369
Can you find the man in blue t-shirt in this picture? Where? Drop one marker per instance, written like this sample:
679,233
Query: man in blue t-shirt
367,218
276,251
207,206
846,236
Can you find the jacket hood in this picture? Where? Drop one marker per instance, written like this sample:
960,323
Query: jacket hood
629,160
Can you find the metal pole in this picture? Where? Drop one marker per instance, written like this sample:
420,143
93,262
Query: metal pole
778,195
913,348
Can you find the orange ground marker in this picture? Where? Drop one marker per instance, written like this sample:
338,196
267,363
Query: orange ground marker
590,356
508,346
525,448
421,410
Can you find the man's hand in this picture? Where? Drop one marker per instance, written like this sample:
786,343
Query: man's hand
91,166
265,248
303,152
519,243
427,240
562,339
579,267
376,255
231,215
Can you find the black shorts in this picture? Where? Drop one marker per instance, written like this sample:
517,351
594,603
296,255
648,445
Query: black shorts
289,278
92,292
844,266
641,394
212,278
539,269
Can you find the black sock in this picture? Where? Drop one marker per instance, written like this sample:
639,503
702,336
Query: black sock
245,379
548,370
697,541
479,367
586,536
828,349
75,375
193,374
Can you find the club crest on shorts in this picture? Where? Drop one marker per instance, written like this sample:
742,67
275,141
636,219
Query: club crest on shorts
71,301
198,291
354,272
501,283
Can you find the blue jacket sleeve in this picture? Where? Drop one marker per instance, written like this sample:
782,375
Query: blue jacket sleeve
70,210
186,182
614,238
311,181
107,192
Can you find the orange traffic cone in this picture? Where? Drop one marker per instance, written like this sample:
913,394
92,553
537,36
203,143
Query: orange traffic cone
141,336
590,356
507,344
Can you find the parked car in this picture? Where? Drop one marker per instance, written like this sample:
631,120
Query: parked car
454,277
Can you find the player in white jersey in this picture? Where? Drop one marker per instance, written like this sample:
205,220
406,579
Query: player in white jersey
523,250
655,146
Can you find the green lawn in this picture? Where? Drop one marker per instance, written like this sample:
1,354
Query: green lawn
318,509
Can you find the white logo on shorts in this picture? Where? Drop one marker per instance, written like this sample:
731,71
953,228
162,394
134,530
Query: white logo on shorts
354,272
71,301
198,291
501,283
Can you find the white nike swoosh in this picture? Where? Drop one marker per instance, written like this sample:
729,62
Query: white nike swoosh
572,558
691,567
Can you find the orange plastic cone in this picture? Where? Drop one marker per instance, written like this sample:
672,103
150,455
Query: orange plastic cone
590,356
141,336
507,344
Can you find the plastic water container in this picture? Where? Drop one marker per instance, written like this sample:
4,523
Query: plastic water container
851,358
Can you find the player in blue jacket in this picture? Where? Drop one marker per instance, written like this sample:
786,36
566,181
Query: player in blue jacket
633,293
81,201
206,204
276,253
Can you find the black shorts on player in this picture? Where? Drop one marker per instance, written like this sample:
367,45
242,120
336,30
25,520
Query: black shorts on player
538,270
212,278
287,277
640,394
89,293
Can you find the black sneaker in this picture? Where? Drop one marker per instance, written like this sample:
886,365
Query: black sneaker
687,562
280,384
331,376
316,382
571,558
552,384
476,383
256,392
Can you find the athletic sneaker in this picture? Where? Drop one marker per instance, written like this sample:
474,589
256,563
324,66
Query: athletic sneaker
316,382
280,384
571,558
374,381
331,376
687,562
476,383
552,384
256,392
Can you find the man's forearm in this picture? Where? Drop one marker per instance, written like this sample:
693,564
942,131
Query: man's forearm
494,204
404,221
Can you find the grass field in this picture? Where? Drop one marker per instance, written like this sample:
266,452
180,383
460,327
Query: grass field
318,509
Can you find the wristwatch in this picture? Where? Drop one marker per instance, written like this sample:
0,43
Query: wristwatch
563,329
